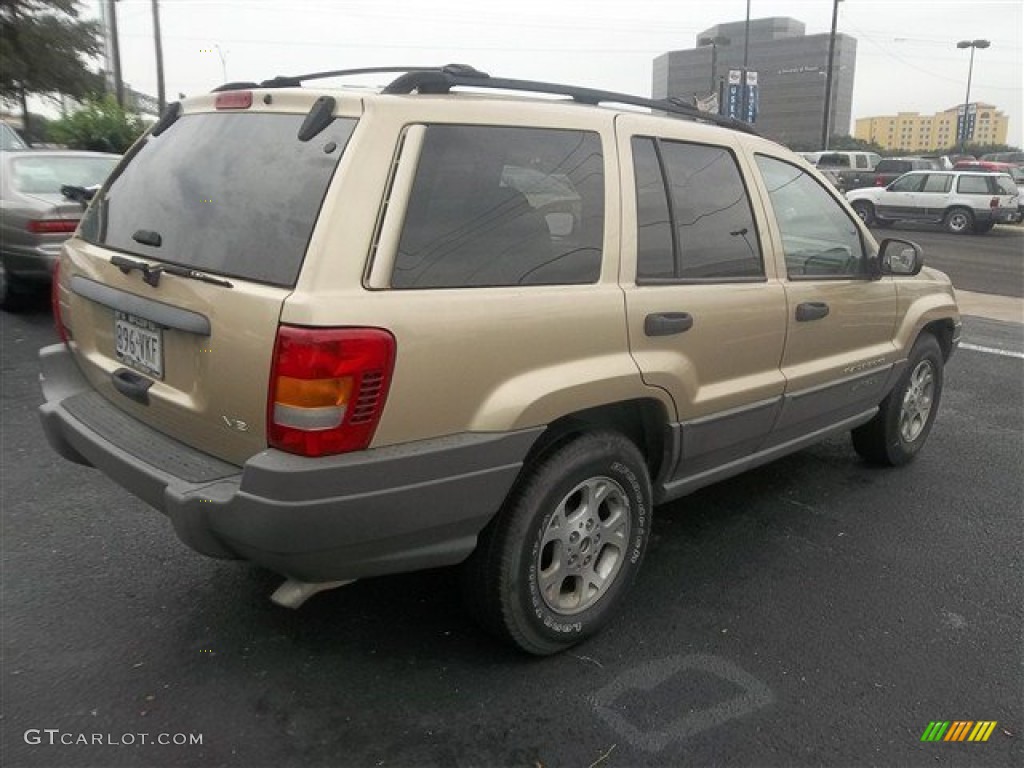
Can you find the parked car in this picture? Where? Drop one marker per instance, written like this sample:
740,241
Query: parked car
962,201
472,328
37,216
845,168
1016,158
889,169
9,138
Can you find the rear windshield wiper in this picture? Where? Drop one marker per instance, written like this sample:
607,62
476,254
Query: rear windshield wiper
151,274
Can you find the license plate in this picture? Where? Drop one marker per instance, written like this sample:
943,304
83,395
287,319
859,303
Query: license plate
139,343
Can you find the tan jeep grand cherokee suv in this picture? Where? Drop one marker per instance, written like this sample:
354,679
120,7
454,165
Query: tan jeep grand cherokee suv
343,333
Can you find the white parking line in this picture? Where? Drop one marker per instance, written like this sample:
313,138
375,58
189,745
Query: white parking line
992,351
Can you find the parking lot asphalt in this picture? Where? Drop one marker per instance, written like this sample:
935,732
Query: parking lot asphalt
812,612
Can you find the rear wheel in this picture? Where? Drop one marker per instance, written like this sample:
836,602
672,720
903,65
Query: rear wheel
905,417
12,297
958,221
865,210
553,566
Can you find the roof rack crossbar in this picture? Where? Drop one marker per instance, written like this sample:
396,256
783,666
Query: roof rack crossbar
296,81
443,80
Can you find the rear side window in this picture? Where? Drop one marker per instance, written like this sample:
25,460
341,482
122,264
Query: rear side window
938,182
502,206
228,193
693,214
973,185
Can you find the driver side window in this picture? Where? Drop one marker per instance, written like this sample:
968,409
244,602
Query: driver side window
819,238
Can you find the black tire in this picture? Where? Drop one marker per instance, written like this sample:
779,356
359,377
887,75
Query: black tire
547,531
12,292
905,417
958,221
983,228
865,210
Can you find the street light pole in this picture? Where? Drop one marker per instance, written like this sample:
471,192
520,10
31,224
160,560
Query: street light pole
743,77
828,75
972,44
161,97
714,42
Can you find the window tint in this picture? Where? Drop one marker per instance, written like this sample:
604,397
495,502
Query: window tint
818,236
711,220
908,183
503,206
654,227
235,194
972,185
938,182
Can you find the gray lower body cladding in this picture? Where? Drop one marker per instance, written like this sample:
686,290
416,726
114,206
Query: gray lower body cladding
374,512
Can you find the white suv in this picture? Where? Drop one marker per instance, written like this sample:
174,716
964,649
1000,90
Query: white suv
962,201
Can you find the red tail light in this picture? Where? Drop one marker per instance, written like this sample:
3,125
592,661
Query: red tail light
994,202
58,320
233,100
879,181
51,226
327,388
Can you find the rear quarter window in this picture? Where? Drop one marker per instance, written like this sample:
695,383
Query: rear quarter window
503,206
973,185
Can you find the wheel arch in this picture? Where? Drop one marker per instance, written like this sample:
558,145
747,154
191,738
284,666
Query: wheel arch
642,421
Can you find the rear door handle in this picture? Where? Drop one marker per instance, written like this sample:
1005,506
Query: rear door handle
811,310
667,323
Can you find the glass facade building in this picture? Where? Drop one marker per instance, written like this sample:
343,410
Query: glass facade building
791,68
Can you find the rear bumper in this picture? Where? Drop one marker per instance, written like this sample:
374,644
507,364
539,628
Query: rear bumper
31,262
996,215
386,510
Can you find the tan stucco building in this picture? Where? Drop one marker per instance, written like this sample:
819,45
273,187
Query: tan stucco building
914,132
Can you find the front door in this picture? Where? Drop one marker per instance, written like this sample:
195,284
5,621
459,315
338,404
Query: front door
839,351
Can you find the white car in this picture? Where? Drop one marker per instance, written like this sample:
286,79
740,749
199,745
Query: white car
962,201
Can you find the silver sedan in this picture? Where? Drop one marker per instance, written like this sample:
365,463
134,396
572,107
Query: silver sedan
35,216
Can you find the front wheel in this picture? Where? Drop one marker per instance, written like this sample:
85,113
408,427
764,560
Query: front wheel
866,211
553,566
958,221
905,417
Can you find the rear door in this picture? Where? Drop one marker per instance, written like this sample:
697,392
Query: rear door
934,195
706,318
228,196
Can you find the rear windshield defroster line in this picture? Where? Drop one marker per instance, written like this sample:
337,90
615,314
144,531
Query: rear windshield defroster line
230,194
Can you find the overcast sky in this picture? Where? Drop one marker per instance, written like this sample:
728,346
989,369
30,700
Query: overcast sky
907,58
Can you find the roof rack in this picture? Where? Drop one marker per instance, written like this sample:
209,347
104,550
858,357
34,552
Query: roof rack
437,80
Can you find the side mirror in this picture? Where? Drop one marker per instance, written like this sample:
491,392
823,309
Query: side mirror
899,257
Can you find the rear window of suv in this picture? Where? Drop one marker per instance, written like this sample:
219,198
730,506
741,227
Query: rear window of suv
231,194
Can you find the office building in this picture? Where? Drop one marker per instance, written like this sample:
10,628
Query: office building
791,69
914,132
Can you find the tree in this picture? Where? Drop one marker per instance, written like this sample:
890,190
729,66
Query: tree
45,50
101,125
